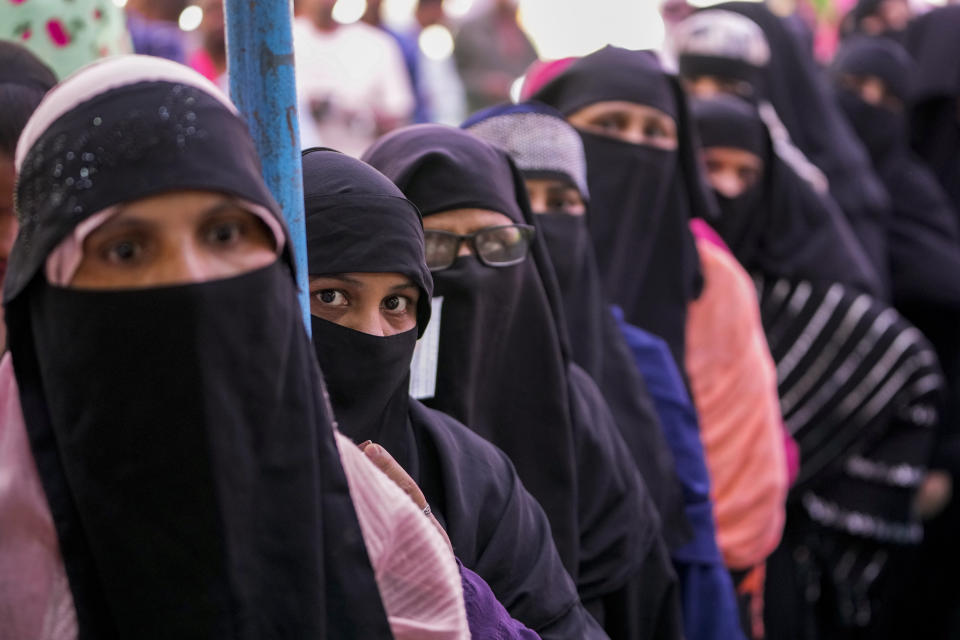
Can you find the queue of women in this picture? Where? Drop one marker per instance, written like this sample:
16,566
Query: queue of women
644,355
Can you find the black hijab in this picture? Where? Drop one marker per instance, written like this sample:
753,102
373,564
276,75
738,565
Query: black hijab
925,231
543,145
641,197
23,81
180,432
496,527
503,367
23,69
847,364
796,89
935,123
367,376
779,227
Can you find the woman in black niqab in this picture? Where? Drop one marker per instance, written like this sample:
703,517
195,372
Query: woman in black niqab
503,370
494,524
795,87
859,391
180,432
779,227
719,49
925,258
544,146
642,197
935,103
925,231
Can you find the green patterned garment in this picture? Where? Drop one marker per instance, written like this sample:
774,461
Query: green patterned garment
65,34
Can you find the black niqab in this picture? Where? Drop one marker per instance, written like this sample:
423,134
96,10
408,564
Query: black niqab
496,527
641,197
925,232
795,87
780,227
180,432
935,119
478,380
595,339
503,370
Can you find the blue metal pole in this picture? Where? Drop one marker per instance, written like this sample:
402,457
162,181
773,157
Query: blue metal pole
262,85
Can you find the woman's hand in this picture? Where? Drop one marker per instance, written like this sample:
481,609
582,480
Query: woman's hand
934,494
382,459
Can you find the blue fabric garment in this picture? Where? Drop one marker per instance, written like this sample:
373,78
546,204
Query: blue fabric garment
409,43
709,600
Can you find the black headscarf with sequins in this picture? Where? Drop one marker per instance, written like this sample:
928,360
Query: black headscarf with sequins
180,432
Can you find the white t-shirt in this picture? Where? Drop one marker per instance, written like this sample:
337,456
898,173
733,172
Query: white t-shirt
346,80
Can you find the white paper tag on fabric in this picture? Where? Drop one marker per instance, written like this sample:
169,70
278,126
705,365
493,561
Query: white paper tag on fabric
426,355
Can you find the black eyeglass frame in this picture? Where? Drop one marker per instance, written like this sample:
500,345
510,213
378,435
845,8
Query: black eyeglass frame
528,232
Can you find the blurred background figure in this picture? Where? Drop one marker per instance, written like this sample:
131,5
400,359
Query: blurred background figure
155,30
352,82
24,80
373,16
65,35
210,57
492,51
439,84
878,18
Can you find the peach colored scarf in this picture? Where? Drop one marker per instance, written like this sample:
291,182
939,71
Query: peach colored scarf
734,386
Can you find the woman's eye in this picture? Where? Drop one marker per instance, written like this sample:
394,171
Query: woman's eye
396,304
654,131
225,233
491,245
610,123
124,251
331,297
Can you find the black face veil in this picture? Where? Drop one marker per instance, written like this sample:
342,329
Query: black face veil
493,322
503,365
367,376
935,109
543,145
496,527
180,432
641,197
779,227
798,92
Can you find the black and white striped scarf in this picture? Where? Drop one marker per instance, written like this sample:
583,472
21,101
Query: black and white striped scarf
859,389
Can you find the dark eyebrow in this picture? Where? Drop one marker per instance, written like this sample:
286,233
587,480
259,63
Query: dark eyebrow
342,278
224,203
406,285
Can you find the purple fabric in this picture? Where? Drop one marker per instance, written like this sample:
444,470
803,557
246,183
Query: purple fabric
156,38
487,618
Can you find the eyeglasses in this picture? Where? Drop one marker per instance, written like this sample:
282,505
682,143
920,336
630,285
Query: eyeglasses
494,246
